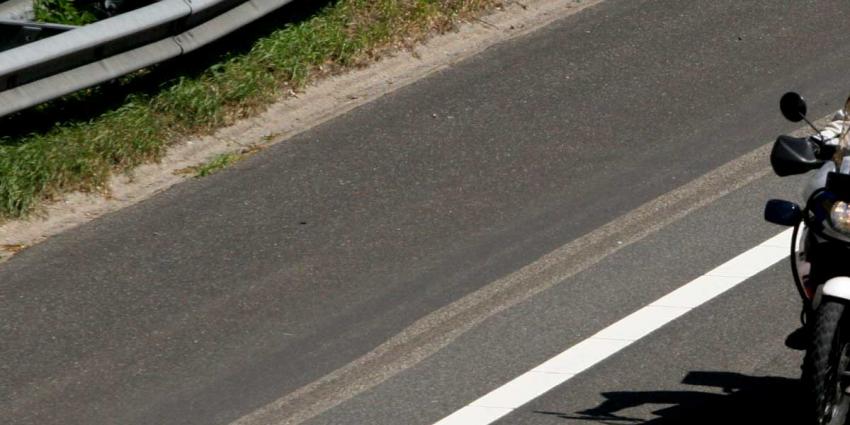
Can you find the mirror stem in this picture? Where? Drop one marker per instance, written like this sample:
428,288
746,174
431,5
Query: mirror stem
811,125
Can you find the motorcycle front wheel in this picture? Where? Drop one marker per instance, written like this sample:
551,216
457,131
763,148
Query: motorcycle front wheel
825,368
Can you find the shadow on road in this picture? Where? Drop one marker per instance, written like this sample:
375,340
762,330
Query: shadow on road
744,399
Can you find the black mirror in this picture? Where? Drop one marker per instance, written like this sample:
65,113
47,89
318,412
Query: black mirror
791,155
783,213
793,107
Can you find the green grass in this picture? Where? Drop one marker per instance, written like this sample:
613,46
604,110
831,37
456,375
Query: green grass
221,161
82,155
216,164
61,12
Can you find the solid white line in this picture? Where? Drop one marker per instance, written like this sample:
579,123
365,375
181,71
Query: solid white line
605,343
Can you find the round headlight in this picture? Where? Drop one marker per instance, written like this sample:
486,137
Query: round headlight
839,216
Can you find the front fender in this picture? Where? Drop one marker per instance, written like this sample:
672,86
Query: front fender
837,287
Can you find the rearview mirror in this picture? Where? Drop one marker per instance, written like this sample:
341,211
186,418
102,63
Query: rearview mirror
783,213
793,107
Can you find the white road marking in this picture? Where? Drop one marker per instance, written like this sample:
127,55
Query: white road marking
584,355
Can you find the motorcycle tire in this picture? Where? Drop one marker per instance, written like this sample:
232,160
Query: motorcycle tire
825,364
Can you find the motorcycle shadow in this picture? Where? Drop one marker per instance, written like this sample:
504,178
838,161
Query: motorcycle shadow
744,399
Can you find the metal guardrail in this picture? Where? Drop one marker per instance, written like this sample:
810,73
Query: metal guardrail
86,56
15,33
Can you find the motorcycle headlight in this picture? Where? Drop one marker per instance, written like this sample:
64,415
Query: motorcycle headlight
839,216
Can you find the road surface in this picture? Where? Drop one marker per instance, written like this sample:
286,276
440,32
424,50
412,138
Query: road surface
224,296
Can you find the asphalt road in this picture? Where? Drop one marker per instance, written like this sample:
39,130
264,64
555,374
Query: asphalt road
209,301
724,362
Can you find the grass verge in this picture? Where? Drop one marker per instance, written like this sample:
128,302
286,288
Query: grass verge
81,155
220,162
61,12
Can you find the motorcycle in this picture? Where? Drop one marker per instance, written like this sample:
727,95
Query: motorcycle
820,258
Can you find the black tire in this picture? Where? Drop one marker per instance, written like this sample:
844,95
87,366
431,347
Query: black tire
826,359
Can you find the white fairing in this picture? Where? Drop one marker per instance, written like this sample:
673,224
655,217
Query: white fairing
804,267
818,180
837,287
